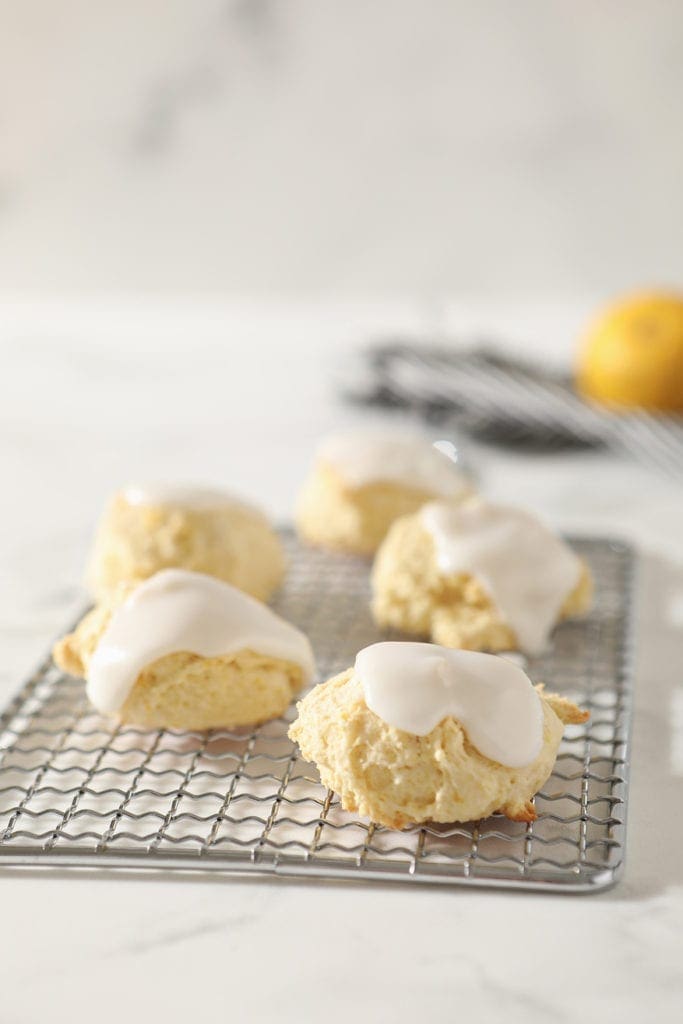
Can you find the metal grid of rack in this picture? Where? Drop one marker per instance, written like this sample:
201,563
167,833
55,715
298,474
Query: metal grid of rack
79,791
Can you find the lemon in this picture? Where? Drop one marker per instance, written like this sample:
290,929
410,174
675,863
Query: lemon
633,354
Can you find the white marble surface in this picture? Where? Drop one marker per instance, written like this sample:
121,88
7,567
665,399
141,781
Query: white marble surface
435,146
94,394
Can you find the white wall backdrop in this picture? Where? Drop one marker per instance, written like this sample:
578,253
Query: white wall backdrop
299,146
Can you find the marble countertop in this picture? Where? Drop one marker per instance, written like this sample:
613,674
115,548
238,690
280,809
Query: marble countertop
94,394
403,145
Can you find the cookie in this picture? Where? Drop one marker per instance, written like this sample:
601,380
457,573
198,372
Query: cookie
397,776
146,529
362,482
477,576
183,650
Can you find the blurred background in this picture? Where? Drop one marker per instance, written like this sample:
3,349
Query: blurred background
208,208
421,148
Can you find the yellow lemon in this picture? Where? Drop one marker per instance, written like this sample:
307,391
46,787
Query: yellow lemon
633,354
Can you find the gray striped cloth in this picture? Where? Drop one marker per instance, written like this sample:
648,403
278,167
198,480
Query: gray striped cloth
510,402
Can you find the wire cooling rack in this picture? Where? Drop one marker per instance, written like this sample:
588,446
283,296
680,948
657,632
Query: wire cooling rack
79,791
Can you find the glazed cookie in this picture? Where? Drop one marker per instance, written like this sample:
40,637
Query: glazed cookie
416,732
146,529
477,576
362,481
183,650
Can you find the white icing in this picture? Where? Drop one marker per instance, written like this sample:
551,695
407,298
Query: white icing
176,610
527,571
415,686
180,496
363,457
